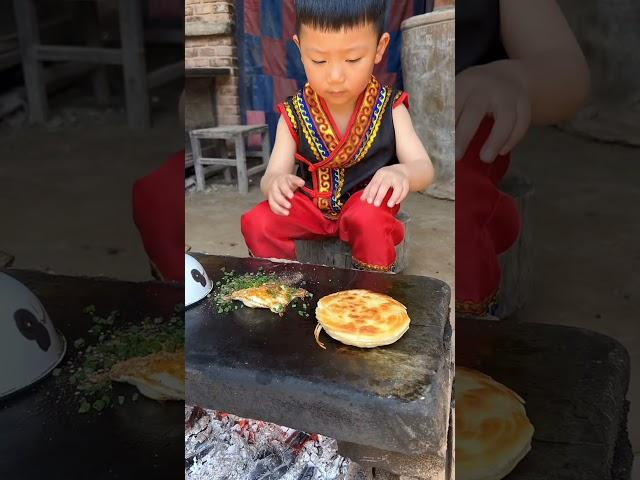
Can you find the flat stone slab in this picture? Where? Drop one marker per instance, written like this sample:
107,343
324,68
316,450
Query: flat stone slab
574,383
255,364
44,436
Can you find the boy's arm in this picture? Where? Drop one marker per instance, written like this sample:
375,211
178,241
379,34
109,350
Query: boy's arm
282,160
413,173
544,81
414,160
545,57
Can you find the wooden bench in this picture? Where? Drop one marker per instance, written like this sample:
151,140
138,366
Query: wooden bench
335,253
238,134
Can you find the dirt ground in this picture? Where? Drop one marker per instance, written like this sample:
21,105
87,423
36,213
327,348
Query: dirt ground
586,234
65,199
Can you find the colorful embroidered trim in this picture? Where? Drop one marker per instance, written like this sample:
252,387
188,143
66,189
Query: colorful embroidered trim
290,119
333,156
370,266
483,307
324,186
318,148
401,98
372,131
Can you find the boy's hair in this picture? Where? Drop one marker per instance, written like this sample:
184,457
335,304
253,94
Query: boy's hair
334,15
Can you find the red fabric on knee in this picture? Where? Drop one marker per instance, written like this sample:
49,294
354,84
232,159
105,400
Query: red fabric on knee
270,235
373,232
487,224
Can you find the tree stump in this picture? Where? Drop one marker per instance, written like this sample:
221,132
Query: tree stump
335,253
517,262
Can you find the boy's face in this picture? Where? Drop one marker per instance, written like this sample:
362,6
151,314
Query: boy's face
339,64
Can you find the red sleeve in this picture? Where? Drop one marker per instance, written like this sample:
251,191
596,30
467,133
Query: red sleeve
403,99
292,130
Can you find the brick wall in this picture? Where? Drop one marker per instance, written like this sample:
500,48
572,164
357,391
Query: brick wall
210,42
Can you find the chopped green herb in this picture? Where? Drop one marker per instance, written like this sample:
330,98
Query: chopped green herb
231,283
87,371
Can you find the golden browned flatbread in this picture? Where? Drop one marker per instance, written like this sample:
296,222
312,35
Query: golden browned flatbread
493,432
273,296
361,318
159,376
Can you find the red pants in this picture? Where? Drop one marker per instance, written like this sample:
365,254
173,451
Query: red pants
372,232
158,212
487,224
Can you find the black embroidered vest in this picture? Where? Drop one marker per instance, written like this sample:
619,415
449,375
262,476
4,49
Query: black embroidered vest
335,166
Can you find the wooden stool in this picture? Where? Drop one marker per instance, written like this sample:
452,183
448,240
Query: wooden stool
517,262
237,133
73,59
6,259
336,253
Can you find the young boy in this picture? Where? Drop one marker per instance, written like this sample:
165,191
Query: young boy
352,137
517,64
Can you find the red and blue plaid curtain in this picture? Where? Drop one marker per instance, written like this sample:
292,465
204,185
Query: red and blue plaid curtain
269,62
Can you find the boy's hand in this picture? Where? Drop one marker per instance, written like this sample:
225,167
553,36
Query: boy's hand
493,89
281,191
387,177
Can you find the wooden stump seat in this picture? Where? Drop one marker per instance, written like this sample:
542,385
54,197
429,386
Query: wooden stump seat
336,253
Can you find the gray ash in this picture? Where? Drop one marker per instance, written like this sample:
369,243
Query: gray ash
222,446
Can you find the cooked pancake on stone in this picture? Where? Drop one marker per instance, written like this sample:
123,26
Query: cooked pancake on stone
159,376
273,296
361,318
493,432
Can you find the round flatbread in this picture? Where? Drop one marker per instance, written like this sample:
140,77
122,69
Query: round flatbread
493,432
361,318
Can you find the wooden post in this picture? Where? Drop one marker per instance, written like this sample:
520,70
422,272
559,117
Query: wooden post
134,65
27,24
196,153
88,15
241,159
222,145
266,147
6,259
